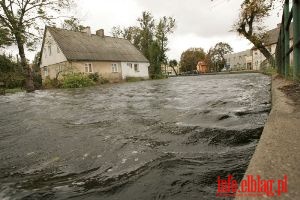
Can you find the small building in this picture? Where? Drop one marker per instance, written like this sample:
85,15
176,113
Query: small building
65,51
202,67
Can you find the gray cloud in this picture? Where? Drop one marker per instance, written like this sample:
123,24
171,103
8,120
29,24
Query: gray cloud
203,18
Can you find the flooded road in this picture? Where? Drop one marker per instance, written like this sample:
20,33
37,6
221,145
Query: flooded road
165,139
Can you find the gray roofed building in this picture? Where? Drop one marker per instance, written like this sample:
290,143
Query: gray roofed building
81,46
273,34
65,51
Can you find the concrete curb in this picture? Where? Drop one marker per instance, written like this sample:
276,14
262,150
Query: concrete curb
277,153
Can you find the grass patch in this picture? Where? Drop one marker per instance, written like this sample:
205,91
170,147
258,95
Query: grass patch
134,79
270,71
4,91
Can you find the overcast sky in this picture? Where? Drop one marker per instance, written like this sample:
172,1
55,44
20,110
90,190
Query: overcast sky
200,23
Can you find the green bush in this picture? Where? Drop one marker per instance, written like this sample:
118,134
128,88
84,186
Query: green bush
10,72
52,83
94,77
13,80
158,76
76,80
269,70
134,79
103,80
37,80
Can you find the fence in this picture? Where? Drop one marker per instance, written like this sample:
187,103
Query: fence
284,49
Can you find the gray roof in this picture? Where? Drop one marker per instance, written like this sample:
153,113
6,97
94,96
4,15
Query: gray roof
273,34
79,46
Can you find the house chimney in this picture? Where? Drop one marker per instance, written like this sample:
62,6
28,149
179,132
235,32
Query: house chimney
87,30
100,32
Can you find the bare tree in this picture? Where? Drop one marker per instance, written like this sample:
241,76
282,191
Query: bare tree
21,18
250,24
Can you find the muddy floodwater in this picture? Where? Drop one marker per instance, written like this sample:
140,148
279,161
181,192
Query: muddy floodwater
164,139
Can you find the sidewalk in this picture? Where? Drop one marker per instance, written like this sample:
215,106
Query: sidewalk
278,151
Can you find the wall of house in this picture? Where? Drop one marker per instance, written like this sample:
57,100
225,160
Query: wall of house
103,68
129,70
238,60
258,57
56,55
167,70
57,69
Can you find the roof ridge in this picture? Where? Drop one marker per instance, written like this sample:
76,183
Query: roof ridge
52,27
77,46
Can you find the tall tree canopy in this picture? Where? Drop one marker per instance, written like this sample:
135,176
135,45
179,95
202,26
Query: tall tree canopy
173,64
20,18
72,24
250,23
217,54
190,58
164,27
151,38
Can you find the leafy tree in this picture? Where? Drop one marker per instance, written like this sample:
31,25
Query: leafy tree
150,38
208,61
36,71
190,58
250,24
217,54
10,72
72,24
147,26
20,18
154,58
131,33
117,32
165,26
173,64
5,37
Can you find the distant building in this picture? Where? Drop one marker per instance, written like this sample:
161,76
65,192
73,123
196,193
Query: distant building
71,51
239,61
167,70
253,59
202,67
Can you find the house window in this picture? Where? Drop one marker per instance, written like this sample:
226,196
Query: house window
49,49
88,68
114,68
46,72
60,68
129,65
136,67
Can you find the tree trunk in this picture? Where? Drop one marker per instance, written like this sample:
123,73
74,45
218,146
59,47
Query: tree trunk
267,54
259,45
29,86
174,71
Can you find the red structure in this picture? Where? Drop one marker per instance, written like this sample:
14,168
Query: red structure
202,67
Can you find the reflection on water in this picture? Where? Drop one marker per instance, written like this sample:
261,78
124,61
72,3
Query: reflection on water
165,139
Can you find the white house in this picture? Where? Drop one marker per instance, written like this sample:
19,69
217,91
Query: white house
65,51
270,43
